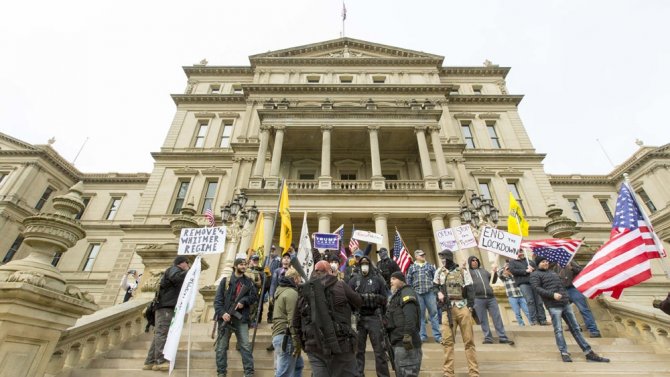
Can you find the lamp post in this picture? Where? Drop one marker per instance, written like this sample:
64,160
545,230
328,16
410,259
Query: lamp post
479,213
235,215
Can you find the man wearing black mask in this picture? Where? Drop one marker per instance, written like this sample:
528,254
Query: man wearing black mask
386,266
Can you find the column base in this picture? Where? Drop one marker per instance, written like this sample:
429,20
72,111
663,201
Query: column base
431,183
272,183
447,183
378,183
256,182
325,183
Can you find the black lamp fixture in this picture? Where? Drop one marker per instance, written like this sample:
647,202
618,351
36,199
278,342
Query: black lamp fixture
480,210
235,211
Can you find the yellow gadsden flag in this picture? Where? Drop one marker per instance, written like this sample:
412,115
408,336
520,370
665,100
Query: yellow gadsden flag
286,235
258,244
516,222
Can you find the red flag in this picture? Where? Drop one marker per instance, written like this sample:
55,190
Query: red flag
209,215
624,260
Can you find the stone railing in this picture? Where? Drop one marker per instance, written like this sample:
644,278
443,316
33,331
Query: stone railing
95,334
404,185
642,324
352,185
302,185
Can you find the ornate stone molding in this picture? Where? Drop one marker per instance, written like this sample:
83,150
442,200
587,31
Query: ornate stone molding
30,277
204,114
475,71
488,99
213,170
326,127
482,172
185,171
180,99
77,293
489,116
464,115
510,172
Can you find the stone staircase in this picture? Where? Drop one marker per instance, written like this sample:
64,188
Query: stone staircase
534,354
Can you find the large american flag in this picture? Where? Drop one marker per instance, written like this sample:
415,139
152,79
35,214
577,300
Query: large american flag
353,244
624,260
209,216
556,250
400,254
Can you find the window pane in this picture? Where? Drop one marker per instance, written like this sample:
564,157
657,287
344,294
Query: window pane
81,213
647,201
181,195
210,192
306,176
495,143
56,259
113,208
13,249
391,177
226,135
467,136
200,138
44,198
511,186
606,209
575,210
484,190
90,259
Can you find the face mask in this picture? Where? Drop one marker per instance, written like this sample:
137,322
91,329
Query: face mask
365,268
334,266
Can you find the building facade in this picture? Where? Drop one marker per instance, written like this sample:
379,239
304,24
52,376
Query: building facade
370,136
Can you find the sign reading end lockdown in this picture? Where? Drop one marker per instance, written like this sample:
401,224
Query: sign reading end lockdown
202,240
500,242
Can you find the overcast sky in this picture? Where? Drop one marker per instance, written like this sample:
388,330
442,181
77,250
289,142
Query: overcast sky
104,70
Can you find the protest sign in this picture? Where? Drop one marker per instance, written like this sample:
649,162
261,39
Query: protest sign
202,240
500,242
364,235
465,237
446,239
326,240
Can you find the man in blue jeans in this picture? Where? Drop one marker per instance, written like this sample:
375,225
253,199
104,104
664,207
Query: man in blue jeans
548,285
231,305
567,275
420,277
288,362
521,269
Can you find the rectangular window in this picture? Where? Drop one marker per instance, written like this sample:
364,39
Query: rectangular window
306,176
606,209
467,136
647,201
346,79
210,193
13,249
215,89
575,210
56,259
348,176
182,189
226,134
44,198
313,79
237,89
93,250
113,208
378,79
477,90
390,177
512,187
81,213
484,190
495,141
200,137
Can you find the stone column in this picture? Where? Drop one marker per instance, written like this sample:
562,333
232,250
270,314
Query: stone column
445,181
427,170
325,180
381,227
256,180
273,181
437,222
36,302
269,218
377,177
324,224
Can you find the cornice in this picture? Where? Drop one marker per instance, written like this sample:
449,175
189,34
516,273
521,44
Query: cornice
348,62
639,158
578,179
180,99
16,141
349,113
502,154
496,99
217,70
51,156
282,89
116,178
475,71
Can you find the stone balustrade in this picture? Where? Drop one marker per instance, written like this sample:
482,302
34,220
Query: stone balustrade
643,324
352,185
95,334
405,185
302,185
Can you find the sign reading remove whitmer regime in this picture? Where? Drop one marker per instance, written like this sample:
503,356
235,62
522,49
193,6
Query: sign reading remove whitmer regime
202,240
500,242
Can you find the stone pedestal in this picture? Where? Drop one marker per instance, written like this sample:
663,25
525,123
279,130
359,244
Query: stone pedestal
431,183
256,182
325,183
447,183
272,183
378,183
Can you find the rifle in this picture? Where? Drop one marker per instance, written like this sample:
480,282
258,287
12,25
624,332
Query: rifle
230,309
387,341
446,306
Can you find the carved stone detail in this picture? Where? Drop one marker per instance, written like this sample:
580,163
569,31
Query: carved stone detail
30,277
77,293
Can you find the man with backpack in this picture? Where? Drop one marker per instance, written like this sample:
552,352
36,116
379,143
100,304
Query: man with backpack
168,294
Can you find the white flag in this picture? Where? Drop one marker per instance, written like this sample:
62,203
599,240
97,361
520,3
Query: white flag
185,303
305,249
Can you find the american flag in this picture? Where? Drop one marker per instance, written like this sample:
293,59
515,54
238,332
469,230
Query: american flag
344,12
623,261
353,244
556,250
209,216
401,255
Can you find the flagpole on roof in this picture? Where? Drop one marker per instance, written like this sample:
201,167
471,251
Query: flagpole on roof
344,17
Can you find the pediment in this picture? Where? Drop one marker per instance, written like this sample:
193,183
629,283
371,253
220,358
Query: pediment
346,48
8,143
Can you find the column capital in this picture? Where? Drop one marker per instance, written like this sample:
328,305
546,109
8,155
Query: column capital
326,127
265,127
380,215
373,128
325,215
420,129
436,216
434,128
279,127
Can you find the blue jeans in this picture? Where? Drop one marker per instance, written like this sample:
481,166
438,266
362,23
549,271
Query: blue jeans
483,306
428,301
285,364
518,304
580,300
534,304
565,312
241,331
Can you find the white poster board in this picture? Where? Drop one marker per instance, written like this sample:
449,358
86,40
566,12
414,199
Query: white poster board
464,236
500,242
211,240
447,239
364,235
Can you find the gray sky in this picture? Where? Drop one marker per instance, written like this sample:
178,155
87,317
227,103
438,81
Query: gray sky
104,69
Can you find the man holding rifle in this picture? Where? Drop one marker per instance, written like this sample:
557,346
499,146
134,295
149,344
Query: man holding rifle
231,305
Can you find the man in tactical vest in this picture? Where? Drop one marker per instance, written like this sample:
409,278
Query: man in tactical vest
402,327
386,265
256,274
456,298
322,323
372,289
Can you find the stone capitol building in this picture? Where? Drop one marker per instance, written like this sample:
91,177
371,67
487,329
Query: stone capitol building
366,135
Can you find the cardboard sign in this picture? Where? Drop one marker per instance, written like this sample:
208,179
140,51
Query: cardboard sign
464,236
447,239
500,242
364,235
194,241
326,241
